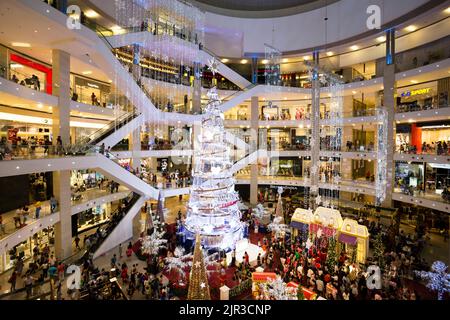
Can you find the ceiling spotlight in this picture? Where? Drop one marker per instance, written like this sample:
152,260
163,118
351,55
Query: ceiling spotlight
411,28
285,60
330,53
224,60
414,81
354,92
244,61
381,39
91,14
354,47
447,10
265,61
87,72
21,44
16,66
306,58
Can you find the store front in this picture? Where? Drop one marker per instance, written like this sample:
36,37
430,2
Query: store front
428,137
90,91
285,110
24,250
16,132
409,176
284,139
92,218
418,97
30,73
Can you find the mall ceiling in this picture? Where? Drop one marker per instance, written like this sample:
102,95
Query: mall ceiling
255,5
260,8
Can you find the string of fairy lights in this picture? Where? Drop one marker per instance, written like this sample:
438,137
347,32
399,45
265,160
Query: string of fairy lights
162,63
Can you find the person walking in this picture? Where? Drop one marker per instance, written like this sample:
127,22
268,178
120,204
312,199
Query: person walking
113,261
120,251
37,210
77,242
12,280
29,284
53,204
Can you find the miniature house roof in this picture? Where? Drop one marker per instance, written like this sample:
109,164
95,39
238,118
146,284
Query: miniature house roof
302,215
351,227
328,217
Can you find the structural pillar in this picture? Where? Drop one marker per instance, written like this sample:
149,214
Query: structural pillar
254,115
389,106
61,128
197,89
135,147
315,118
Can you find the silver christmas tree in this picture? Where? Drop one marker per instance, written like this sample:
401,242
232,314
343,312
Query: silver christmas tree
213,209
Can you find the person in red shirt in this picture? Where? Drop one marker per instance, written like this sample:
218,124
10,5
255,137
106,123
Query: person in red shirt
61,271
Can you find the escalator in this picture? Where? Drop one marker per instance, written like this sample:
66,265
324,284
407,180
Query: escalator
111,134
107,229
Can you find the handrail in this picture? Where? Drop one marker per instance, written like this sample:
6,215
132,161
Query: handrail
115,124
112,224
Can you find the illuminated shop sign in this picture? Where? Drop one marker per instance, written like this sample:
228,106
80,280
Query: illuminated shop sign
415,92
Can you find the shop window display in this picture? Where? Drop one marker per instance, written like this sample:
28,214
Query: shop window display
419,97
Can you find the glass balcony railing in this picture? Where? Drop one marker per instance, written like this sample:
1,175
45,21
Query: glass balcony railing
436,149
426,194
428,104
324,115
9,151
350,147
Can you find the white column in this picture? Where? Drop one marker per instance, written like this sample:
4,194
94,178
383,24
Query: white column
254,115
61,127
197,89
389,106
135,146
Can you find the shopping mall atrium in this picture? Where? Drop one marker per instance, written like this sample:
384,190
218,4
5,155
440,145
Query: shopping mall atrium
224,150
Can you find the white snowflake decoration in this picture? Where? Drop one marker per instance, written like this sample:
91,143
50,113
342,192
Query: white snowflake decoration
318,199
308,244
213,65
319,233
277,289
438,278
179,262
260,212
153,243
278,228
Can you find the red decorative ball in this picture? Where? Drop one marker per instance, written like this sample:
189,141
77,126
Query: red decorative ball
318,265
